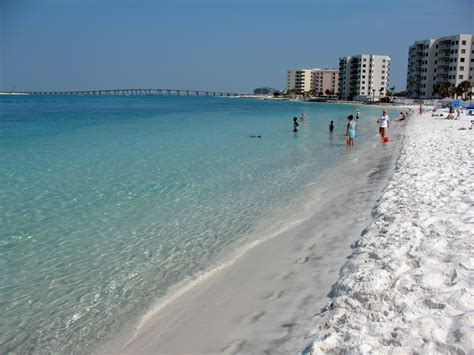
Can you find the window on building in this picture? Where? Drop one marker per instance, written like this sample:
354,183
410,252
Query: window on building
436,62
364,65
382,77
461,68
363,71
452,43
463,51
463,43
457,42
383,71
435,70
383,60
462,60
461,76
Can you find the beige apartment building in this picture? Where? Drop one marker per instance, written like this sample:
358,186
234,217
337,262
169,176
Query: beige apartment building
364,77
325,79
432,61
314,80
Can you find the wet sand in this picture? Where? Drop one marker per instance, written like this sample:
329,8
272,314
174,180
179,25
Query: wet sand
267,300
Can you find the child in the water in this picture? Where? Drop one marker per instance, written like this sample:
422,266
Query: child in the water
351,130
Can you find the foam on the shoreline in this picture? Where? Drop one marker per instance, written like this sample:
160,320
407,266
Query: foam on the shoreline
408,285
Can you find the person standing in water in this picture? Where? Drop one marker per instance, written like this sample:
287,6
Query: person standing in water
351,125
357,114
295,124
331,127
302,116
384,124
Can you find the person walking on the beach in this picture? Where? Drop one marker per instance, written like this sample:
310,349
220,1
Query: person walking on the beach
357,114
458,111
420,111
295,124
383,124
351,130
331,127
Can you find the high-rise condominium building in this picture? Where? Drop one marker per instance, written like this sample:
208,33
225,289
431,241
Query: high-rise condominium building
314,80
299,80
432,61
325,80
364,77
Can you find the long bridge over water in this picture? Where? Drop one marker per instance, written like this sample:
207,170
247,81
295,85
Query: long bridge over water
129,92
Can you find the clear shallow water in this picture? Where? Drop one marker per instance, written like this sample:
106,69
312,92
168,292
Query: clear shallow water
106,203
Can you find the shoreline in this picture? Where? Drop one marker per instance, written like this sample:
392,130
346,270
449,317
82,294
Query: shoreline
267,277
407,287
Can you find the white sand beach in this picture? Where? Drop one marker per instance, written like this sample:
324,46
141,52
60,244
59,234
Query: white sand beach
408,285
406,210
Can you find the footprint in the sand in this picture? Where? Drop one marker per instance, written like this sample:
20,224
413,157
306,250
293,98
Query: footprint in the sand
288,275
254,317
302,260
233,347
311,247
274,295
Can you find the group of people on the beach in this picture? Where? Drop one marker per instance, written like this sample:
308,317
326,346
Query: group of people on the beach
383,121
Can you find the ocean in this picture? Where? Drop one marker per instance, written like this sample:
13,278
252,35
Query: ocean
108,205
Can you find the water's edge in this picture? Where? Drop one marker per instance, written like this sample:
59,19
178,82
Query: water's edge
326,227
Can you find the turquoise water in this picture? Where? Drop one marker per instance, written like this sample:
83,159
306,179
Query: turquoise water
107,202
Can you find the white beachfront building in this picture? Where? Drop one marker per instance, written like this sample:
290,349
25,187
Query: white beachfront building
314,80
432,61
364,77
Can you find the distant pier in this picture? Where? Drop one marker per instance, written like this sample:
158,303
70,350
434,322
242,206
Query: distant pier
131,92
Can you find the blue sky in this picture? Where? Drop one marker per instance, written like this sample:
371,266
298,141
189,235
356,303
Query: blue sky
232,45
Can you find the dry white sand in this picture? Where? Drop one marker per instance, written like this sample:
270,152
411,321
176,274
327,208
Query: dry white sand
408,286
266,301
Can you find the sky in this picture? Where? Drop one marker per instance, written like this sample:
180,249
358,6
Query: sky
228,45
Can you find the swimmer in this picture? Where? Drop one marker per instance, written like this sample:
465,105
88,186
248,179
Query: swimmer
295,124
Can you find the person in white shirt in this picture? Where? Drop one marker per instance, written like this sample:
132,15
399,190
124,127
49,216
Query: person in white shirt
384,124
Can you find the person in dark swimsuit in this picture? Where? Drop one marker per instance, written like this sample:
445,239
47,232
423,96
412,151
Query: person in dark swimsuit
295,124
